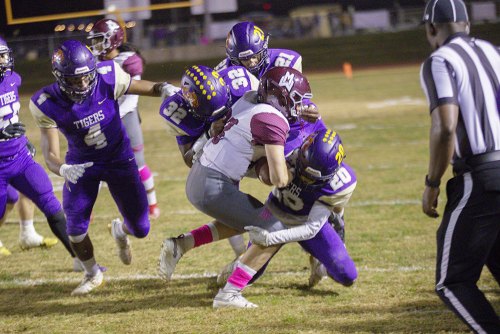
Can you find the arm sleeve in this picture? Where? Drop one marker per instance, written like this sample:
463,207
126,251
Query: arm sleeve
339,199
122,81
268,128
41,120
436,79
317,217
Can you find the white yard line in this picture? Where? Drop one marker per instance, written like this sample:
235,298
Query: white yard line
145,277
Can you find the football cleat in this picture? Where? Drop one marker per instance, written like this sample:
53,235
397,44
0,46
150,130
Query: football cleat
124,249
231,299
33,240
4,251
88,284
226,272
170,254
318,271
154,211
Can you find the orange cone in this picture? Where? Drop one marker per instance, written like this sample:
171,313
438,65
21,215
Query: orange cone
347,69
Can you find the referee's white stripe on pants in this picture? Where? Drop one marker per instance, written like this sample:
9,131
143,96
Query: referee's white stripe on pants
445,257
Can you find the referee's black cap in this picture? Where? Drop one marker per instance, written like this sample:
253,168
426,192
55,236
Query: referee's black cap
442,11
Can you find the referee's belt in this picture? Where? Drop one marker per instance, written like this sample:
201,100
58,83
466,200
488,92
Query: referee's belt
464,165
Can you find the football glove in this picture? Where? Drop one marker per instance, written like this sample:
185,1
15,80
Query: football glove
13,130
258,235
167,90
73,172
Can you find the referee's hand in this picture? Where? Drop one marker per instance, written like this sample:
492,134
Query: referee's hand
430,201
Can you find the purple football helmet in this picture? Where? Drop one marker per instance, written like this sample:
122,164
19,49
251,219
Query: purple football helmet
206,93
246,40
284,88
74,67
319,158
6,59
105,36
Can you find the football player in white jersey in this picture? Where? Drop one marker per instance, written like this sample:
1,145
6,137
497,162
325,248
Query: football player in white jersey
193,128
257,127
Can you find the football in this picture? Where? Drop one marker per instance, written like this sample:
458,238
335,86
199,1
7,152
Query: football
262,171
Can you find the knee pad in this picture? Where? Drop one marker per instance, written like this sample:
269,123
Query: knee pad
77,238
12,195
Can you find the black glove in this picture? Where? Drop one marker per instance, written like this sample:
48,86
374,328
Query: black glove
13,131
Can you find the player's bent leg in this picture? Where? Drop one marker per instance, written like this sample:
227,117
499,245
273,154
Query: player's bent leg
238,244
8,199
128,192
28,237
35,184
329,249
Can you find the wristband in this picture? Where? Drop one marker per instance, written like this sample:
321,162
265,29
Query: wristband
432,184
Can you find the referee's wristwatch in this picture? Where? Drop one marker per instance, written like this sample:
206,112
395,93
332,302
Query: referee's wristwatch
430,183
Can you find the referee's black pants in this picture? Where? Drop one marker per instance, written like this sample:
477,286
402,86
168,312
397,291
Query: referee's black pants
467,239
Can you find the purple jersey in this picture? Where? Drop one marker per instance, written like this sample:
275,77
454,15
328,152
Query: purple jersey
184,125
277,57
92,128
298,200
9,113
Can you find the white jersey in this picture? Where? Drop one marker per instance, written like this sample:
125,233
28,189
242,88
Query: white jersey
251,126
129,62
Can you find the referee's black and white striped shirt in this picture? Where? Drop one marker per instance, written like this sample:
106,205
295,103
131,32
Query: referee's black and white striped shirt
466,71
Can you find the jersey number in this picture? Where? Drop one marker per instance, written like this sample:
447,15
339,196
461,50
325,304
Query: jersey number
291,200
283,59
6,111
96,137
340,178
238,78
175,113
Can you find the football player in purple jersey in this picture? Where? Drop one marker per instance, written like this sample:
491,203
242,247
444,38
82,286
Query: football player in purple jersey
18,169
83,105
257,127
322,185
247,46
107,43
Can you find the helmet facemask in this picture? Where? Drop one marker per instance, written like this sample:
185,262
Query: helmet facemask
77,87
6,61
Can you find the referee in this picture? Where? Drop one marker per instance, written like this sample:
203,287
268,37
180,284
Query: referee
461,79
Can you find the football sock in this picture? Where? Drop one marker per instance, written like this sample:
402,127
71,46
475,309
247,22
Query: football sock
197,237
240,277
27,227
57,224
90,266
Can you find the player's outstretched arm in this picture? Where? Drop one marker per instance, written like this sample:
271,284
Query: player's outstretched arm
150,88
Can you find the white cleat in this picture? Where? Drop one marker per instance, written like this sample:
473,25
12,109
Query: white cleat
124,249
88,284
226,272
231,299
318,271
34,240
170,254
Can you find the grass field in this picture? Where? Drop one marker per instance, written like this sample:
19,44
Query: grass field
383,119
